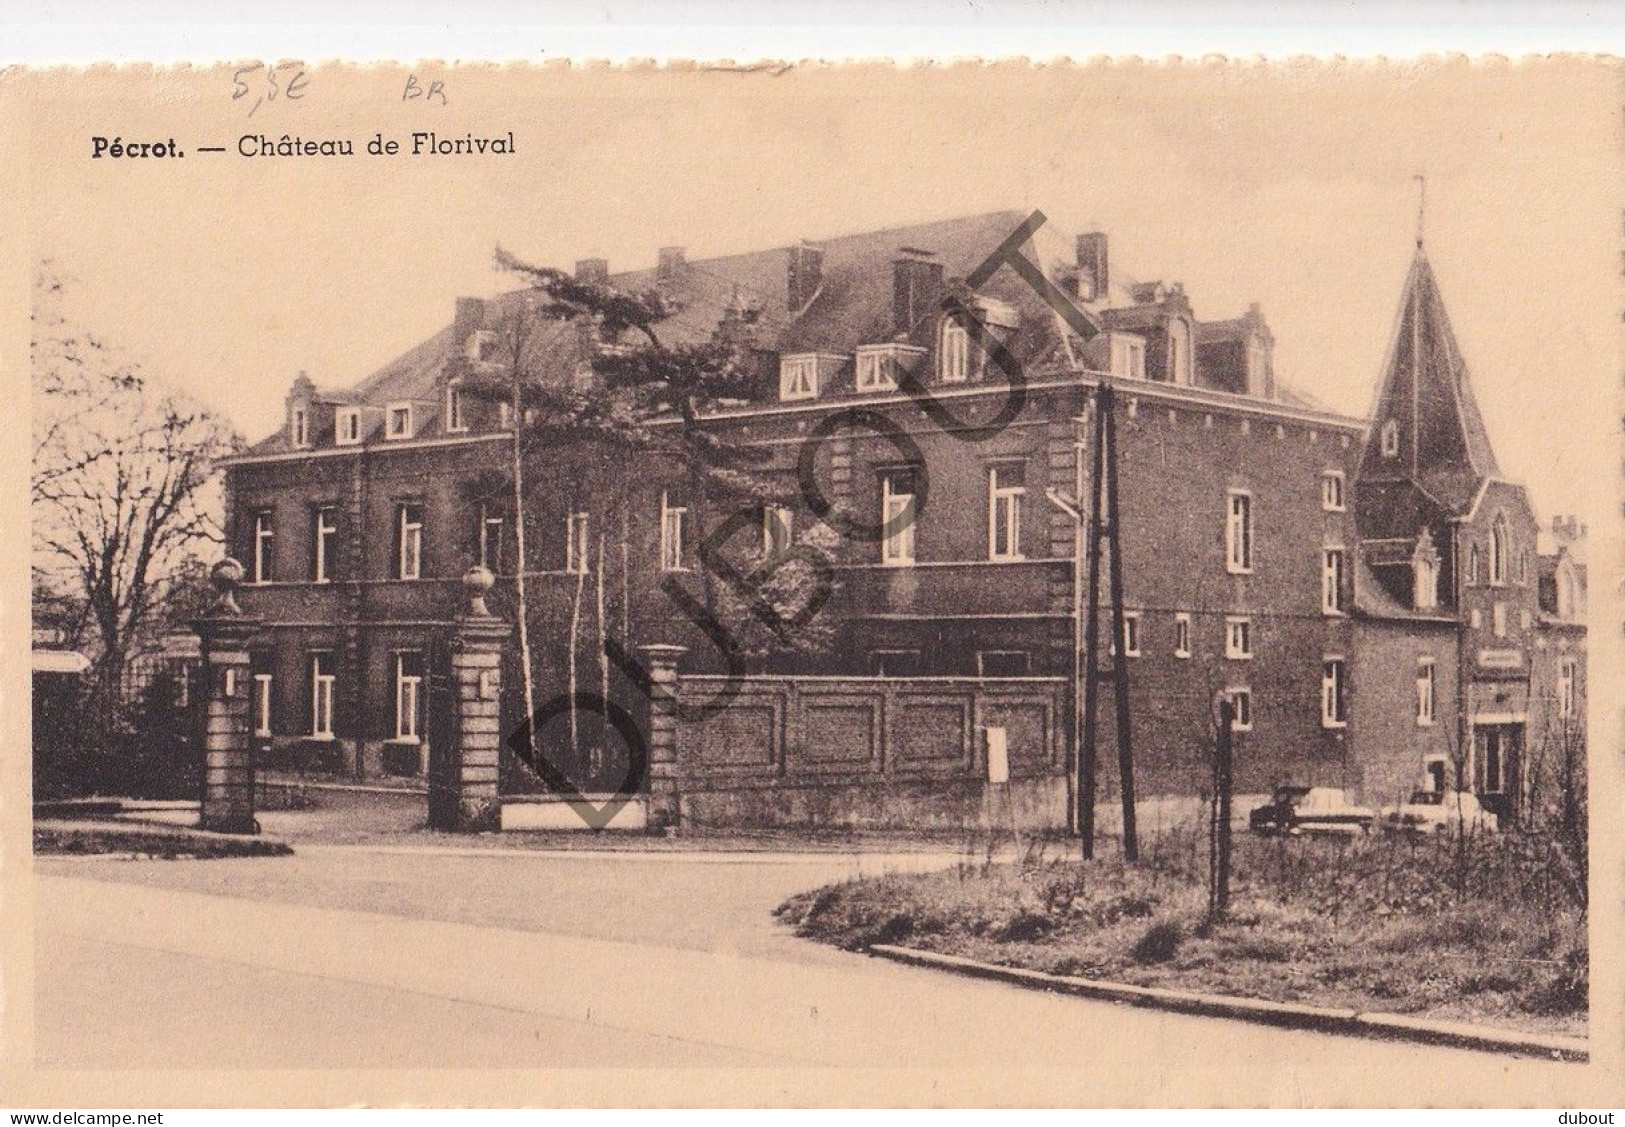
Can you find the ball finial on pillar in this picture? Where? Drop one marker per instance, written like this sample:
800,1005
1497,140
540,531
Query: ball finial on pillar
477,583
225,577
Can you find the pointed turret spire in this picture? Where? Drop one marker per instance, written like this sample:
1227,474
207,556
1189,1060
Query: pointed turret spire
1427,429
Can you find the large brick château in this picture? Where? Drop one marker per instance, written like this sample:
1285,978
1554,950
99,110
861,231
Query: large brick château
1371,592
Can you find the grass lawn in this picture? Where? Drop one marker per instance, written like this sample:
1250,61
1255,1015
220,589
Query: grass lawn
1489,930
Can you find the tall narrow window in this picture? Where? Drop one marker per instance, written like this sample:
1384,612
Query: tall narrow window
301,427
1128,356
264,546
1007,493
897,518
1473,566
322,678
673,518
1241,700
1426,688
954,352
505,414
1238,532
262,704
1332,565
1179,352
1498,620
324,528
1238,638
1390,439
491,522
1498,551
1426,582
577,545
1182,635
408,541
778,530
408,695
1567,676
1331,491
1333,705
454,409
1131,633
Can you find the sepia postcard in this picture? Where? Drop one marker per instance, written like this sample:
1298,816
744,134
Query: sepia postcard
804,584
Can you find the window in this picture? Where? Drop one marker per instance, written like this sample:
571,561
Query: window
1241,700
454,409
299,426
264,546
398,420
1179,352
504,414
1182,635
1498,551
1257,365
778,530
577,546
1238,638
1472,565
347,426
1331,581
1128,356
897,518
894,663
262,704
1426,582
1238,532
1426,687
1567,677
876,368
798,377
1390,439
953,352
324,528
1331,491
1002,663
408,695
491,539
1006,493
482,344
673,518
1498,619
321,694
1333,705
408,541
1131,635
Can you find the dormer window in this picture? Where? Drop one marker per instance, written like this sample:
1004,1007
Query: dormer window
299,426
456,421
798,377
1128,356
1425,573
482,345
347,426
398,421
953,352
1179,352
875,368
1390,439
1258,360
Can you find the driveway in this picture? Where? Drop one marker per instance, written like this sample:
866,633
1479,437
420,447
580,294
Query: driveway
375,957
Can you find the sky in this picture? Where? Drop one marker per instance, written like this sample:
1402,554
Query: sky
1289,185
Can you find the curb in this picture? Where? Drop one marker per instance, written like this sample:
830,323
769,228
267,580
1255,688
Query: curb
1291,1015
130,838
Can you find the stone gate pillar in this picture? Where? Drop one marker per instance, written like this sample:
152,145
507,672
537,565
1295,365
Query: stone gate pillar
662,733
463,797
227,801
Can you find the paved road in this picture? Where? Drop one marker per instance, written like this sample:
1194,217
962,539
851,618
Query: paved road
354,958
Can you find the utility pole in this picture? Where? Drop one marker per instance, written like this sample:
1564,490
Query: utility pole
1103,523
1072,505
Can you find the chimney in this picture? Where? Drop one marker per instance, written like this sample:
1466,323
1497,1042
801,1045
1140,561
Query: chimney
916,287
470,315
1146,293
804,274
592,271
671,263
1093,270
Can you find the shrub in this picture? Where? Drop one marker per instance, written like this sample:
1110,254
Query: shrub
1159,944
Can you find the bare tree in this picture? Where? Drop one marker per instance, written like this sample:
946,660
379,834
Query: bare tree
123,488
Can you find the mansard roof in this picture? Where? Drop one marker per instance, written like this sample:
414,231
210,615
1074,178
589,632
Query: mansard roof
1443,447
854,304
